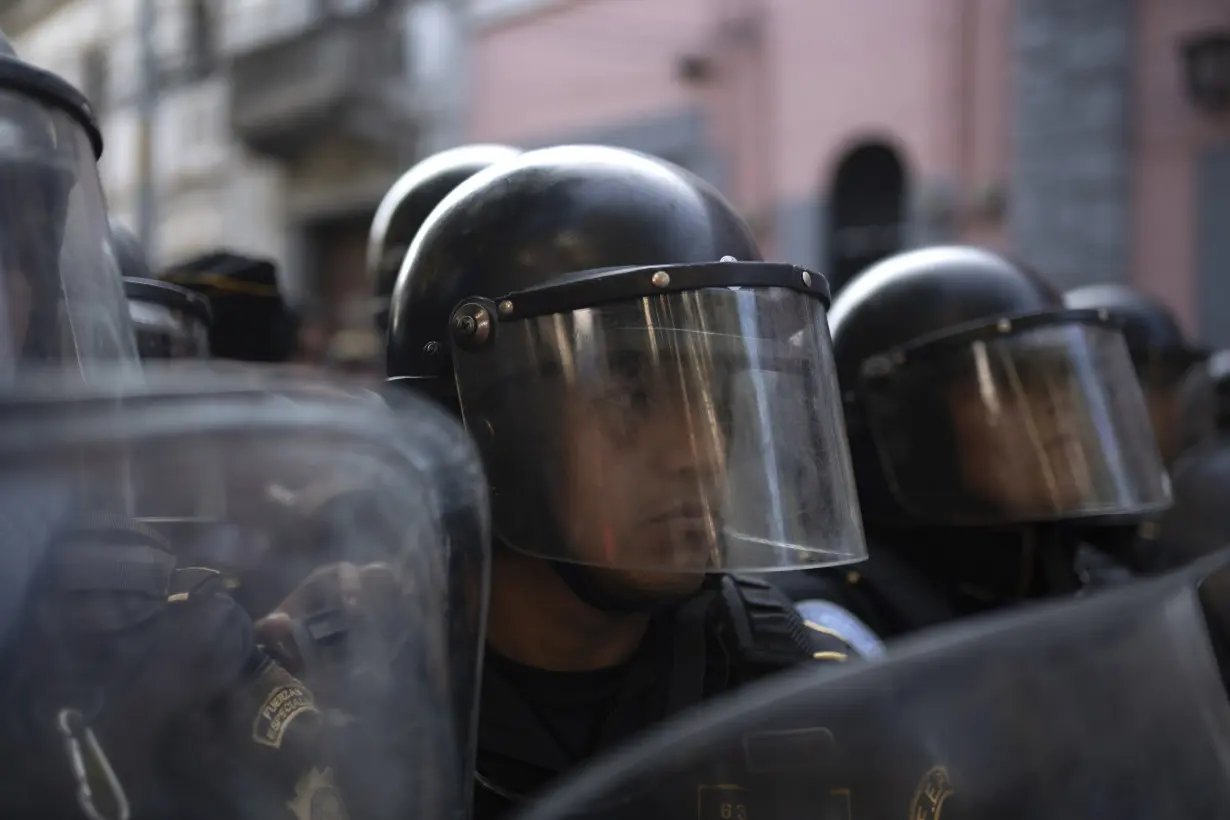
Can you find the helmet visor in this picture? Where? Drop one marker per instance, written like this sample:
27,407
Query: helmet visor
61,302
684,432
166,333
1042,421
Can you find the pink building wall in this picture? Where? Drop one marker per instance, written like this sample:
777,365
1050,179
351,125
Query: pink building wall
1169,133
577,65
932,78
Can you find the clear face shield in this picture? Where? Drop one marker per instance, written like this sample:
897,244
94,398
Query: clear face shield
62,303
170,322
690,431
1029,420
320,667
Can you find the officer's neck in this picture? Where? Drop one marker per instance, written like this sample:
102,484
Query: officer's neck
536,620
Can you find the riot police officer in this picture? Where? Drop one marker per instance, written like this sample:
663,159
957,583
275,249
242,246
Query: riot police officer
1165,358
406,207
1001,442
656,409
134,684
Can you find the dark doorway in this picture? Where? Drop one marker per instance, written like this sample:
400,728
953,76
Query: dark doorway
866,211
338,293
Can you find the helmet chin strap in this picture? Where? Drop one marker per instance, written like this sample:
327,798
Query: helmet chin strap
580,579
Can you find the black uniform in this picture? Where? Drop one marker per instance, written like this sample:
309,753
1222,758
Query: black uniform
648,415
406,207
1001,443
1113,706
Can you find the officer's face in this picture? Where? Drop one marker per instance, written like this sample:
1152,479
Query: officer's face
1020,452
643,472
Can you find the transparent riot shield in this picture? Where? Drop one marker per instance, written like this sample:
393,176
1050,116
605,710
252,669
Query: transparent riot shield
1106,708
291,654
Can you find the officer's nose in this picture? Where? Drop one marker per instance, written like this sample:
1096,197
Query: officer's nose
687,447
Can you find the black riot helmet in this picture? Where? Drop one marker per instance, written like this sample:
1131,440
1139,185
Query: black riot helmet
407,205
170,322
974,397
130,256
643,401
1165,358
63,303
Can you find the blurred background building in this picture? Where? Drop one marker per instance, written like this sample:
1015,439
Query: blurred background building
1090,138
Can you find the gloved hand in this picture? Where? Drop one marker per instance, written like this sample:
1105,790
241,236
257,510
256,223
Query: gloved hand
338,630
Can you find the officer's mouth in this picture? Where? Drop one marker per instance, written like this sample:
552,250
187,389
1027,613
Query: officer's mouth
683,511
686,521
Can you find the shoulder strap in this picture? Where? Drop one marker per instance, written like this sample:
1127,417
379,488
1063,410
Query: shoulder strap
759,630
764,630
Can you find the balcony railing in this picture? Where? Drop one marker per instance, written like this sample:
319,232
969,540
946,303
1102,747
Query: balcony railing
323,76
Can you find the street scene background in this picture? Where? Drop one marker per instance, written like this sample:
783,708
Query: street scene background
1090,139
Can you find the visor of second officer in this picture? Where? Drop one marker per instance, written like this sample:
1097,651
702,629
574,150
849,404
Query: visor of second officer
678,418
1028,419
62,302
170,322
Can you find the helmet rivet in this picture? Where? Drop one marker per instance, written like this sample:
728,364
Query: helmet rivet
660,279
505,307
431,350
728,259
472,326
806,279
1003,326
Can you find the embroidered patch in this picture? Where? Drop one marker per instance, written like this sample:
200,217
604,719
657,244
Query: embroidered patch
929,797
283,704
721,802
317,798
